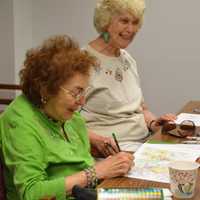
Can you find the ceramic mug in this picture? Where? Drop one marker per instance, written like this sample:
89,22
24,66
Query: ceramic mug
183,178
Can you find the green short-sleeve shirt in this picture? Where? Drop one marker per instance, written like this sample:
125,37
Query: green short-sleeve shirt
37,155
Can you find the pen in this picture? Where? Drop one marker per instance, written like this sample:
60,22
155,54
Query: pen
193,138
191,142
116,142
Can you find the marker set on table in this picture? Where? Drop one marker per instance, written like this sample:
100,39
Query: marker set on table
192,140
133,194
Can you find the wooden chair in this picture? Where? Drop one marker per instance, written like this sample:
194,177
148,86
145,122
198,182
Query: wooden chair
11,89
2,186
7,94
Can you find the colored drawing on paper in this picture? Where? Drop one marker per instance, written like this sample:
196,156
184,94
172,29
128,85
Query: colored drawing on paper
152,160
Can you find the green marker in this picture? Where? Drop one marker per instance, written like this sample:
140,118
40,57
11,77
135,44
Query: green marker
116,142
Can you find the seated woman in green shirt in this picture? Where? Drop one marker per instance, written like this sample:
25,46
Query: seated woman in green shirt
43,140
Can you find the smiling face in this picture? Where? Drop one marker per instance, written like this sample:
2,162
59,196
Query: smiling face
62,106
122,30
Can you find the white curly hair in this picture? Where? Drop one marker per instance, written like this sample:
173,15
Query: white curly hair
106,9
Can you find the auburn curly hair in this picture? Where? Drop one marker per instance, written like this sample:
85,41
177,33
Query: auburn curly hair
48,66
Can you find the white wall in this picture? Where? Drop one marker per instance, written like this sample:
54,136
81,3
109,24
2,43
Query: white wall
168,54
15,37
166,49
22,11
6,41
7,69
73,17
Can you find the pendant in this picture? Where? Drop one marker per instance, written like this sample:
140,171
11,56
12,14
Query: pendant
126,65
118,74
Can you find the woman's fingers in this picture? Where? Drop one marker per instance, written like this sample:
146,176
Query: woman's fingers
105,146
167,117
113,166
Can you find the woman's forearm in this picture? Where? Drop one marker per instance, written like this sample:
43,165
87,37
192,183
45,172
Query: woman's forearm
79,178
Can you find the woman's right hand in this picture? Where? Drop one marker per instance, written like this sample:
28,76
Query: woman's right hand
113,166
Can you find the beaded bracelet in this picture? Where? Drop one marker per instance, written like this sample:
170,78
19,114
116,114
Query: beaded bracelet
150,124
92,180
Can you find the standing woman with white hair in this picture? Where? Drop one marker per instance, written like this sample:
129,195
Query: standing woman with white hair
115,101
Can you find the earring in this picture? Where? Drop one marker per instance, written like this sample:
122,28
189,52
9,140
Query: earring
43,100
106,36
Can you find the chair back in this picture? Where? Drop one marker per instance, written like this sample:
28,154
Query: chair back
2,185
7,94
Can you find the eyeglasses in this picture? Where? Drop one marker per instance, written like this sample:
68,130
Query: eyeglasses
77,96
184,129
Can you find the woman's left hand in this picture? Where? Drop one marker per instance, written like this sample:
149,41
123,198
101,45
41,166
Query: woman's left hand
102,146
164,118
156,123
